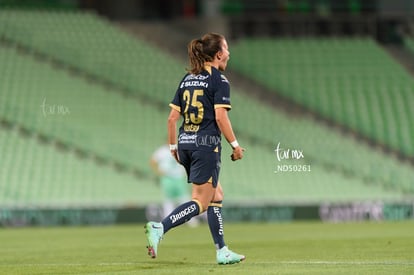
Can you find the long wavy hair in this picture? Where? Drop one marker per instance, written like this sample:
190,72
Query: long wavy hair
203,50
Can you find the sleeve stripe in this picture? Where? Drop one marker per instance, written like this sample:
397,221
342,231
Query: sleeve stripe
175,107
227,106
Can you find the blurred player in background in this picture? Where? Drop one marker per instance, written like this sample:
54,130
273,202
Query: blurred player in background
171,178
203,100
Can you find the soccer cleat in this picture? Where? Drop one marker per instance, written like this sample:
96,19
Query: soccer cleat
154,232
226,256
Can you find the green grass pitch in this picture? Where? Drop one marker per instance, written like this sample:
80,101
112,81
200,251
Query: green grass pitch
270,248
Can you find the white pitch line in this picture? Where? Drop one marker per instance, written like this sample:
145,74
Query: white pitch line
311,262
347,262
68,264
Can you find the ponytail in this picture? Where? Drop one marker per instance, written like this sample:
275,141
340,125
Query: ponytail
203,50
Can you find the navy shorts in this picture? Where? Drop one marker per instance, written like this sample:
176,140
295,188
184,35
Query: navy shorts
201,166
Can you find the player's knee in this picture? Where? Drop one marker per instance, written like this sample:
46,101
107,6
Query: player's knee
203,205
202,202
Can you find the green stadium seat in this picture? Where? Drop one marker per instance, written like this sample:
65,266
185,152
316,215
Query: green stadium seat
319,74
37,175
342,168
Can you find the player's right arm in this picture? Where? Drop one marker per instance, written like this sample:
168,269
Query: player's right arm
172,128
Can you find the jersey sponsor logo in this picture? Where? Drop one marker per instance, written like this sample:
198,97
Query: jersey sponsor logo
187,139
224,79
196,77
199,140
183,213
226,99
195,83
191,127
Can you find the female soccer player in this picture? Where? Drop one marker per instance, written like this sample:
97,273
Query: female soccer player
203,100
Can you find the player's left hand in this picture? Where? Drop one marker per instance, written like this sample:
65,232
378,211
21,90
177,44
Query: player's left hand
237,153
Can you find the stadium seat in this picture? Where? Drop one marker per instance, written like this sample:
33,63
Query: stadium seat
102,121
319,74
37,175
